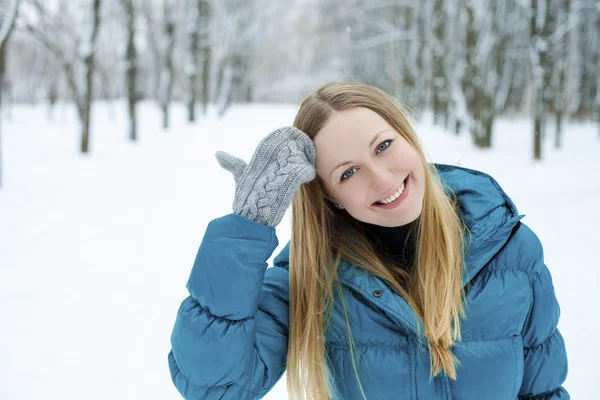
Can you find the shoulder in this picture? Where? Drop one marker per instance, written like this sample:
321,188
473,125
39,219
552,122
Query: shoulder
524,252
479,196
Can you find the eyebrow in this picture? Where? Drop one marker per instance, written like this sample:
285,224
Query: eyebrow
341,164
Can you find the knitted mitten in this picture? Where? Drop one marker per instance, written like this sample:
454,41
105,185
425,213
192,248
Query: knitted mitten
283,161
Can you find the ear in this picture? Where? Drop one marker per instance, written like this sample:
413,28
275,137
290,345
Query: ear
325,192
330,198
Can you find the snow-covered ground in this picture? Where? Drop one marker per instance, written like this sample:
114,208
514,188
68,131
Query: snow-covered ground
95,250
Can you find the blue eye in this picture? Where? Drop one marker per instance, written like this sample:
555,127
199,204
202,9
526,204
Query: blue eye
384,145
347,174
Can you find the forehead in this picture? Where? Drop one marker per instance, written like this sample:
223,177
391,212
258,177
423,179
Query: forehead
347,134
358,122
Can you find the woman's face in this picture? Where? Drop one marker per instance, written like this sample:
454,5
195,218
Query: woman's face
369,168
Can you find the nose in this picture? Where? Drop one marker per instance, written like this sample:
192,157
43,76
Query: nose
381,179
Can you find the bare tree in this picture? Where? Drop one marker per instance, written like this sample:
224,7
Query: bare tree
482,74
597,53
7,23
205,41
425,18
82,92
387,47
191,69
587,12
87,54
559,68
166,73
153,43
241,22
454,68
412,67
131,68
441,86
198,55
541,24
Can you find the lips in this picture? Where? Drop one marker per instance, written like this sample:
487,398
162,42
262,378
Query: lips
394,195
399,200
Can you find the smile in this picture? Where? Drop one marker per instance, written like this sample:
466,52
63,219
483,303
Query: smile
395,199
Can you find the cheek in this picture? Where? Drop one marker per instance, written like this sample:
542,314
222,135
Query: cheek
419,168
355,195
406,157
410,161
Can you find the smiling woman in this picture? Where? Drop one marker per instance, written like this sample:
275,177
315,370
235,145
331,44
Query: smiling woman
402,279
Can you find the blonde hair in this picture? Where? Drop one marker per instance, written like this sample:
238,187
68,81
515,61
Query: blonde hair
323,235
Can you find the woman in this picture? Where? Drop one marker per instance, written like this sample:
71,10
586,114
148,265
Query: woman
402,279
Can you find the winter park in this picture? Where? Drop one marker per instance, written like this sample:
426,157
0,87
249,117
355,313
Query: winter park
111,112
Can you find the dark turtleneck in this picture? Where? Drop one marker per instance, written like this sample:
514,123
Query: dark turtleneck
397,244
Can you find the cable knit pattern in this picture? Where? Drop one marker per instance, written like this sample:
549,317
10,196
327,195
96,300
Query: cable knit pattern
283,161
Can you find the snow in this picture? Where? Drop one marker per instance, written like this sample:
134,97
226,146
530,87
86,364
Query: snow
96,249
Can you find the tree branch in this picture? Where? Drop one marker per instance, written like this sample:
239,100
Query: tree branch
67,66
9,22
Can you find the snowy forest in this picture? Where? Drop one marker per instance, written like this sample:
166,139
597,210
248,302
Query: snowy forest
468,61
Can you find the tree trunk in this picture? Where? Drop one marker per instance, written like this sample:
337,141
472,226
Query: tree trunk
205,19
483,132
559,75
84,118
52,97
88,60
193,24
238,72
411,63
2,66
219,80
441,95
537,132
131,70
6,28
225,88
206,62
167,71
540,26
559,127
479,100
154,43
597,105
425,56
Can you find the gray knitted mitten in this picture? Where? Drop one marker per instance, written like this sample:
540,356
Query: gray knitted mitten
283,161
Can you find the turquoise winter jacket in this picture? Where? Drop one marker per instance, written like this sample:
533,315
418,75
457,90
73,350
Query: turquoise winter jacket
230,335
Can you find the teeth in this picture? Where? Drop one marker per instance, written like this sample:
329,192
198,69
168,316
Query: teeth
394,196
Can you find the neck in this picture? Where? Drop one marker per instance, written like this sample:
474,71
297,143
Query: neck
396,243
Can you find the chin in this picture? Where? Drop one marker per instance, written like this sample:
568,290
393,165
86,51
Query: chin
401,220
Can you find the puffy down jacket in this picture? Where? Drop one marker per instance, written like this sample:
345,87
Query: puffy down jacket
230,335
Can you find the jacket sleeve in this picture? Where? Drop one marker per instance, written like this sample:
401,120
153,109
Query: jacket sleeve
230,335
545,367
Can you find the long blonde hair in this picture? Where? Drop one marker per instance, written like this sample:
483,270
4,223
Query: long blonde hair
322,235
